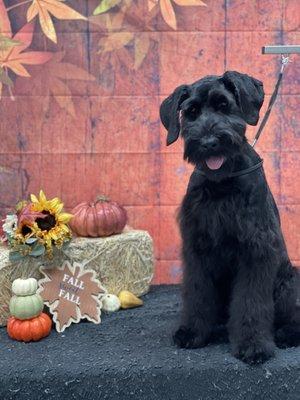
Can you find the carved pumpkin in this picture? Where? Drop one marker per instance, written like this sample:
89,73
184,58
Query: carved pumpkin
101,218
29,330
25,307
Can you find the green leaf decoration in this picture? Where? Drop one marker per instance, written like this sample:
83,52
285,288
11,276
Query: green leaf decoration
15,256
30,240
38,250
105,5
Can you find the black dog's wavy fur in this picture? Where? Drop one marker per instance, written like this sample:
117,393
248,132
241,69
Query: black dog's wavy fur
236,268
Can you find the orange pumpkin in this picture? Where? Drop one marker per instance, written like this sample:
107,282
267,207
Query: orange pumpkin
101,218
29,330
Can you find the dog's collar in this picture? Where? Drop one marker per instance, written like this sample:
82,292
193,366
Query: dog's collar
238,173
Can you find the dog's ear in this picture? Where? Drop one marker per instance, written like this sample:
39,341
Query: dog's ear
169,112
248,92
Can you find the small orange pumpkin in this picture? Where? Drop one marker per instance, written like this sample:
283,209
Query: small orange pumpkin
101,218
30,330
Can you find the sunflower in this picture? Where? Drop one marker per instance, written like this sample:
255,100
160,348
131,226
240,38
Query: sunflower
50,227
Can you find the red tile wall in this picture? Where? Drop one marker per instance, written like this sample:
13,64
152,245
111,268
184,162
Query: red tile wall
103,135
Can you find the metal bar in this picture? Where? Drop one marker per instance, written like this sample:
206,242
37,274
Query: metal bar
288,49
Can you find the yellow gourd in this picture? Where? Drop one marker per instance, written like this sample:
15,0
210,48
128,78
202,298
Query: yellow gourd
129,300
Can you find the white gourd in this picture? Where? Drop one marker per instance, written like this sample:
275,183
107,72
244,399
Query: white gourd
110,303
24,287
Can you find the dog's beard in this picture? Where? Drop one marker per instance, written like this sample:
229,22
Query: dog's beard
230,145
230,133
216,165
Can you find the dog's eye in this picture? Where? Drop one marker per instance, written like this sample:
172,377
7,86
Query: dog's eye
222,105
193,111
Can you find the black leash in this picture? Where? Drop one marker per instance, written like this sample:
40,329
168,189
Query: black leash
284,62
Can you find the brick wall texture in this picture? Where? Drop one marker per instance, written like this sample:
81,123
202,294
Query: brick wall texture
80,101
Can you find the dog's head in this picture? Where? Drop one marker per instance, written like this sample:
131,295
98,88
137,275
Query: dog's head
211,115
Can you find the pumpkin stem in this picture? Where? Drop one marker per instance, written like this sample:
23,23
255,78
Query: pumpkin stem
102,198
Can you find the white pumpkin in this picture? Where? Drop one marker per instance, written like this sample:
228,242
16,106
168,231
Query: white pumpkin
110,303
24,287
26,307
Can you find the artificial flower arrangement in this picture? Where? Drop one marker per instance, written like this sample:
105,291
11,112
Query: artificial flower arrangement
36,227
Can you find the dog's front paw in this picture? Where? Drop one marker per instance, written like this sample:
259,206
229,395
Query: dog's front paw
187,338
254,352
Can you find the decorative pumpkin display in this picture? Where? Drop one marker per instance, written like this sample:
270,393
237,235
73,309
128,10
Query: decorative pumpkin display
101,218
25,303
110,303
29,330
129,300
24,287
25,307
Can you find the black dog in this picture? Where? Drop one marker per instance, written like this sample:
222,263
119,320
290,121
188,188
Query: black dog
237,270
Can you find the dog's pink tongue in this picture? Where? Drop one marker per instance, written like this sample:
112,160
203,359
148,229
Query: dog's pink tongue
214,162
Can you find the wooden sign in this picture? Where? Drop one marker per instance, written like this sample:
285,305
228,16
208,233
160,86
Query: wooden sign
72,293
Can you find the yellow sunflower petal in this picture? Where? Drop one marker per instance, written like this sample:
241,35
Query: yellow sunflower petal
33,198
57,208
42,196
53,235
54,202
64,227
64,217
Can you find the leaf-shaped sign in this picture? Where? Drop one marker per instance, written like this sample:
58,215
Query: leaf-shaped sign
72,293
105,5
45,8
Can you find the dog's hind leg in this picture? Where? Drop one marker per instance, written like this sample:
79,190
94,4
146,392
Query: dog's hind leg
287,307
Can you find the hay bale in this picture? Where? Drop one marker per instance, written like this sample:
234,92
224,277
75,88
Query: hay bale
122,261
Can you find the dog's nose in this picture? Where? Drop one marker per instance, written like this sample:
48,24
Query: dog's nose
210,143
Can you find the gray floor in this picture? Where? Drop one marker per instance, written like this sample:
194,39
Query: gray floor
130,355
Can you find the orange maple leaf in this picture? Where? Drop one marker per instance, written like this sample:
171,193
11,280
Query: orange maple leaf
44,9
5,28
167,10
58,77
13,58
71,294
57,73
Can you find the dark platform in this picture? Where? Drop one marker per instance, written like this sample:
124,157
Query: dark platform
130,356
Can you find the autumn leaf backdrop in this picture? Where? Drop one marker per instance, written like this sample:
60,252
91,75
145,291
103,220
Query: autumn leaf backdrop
81,82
